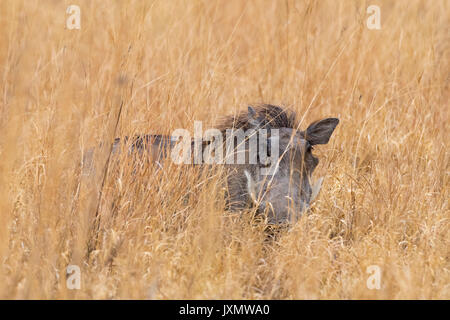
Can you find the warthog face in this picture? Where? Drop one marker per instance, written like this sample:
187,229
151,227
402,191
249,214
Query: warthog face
286,193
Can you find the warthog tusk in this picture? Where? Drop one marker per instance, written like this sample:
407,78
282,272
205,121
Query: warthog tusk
251,187
316,189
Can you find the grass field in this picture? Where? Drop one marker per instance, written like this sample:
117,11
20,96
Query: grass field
164,64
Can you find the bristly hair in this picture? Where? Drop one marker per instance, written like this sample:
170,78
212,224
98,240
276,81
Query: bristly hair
275,117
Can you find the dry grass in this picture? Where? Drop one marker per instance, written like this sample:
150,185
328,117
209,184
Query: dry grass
385,196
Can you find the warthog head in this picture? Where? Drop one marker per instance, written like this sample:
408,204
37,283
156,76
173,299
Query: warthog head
287,191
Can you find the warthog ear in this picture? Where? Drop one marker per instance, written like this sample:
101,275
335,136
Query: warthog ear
253,117
319,132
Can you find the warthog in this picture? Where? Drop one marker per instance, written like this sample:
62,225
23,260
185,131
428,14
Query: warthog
285,191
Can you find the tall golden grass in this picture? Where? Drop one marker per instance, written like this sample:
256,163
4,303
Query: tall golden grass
164,64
